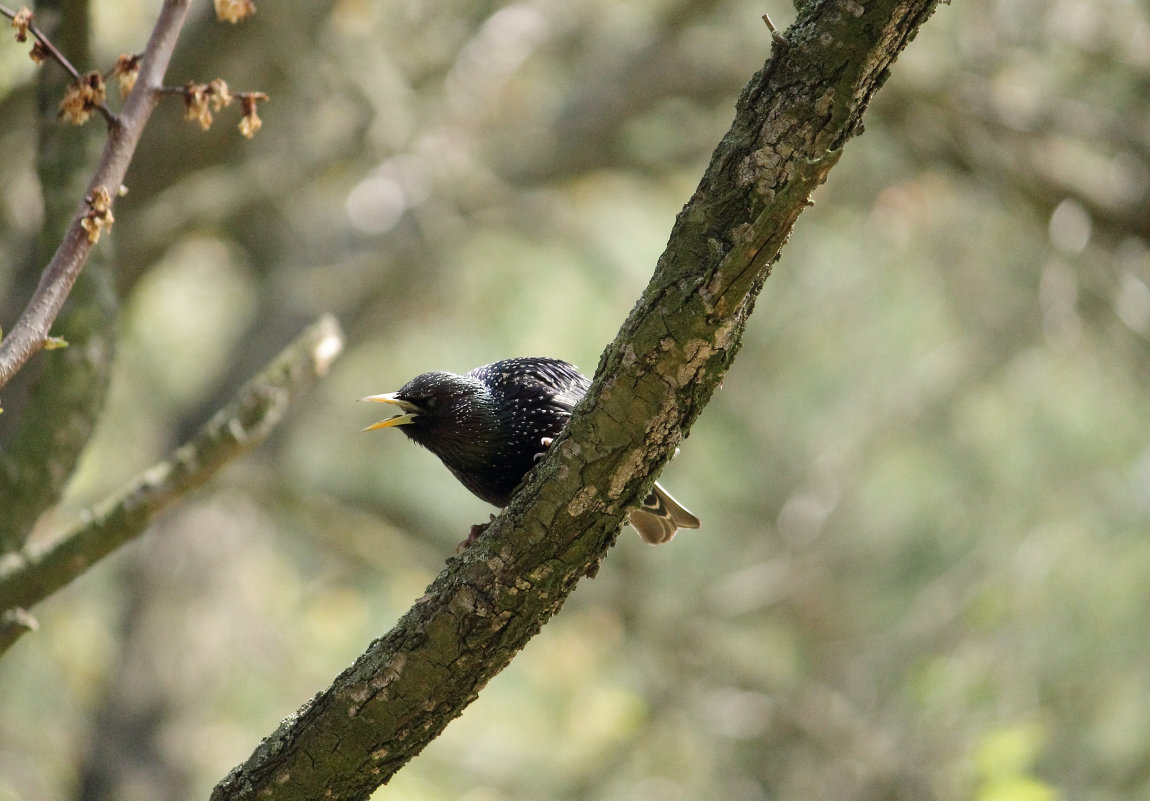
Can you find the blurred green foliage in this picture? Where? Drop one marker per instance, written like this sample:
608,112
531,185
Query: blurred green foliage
925,484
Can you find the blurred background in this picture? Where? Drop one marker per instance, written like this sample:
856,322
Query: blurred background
925,483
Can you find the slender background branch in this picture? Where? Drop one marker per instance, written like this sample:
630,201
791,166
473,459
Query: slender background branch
30,575
671,354
30,333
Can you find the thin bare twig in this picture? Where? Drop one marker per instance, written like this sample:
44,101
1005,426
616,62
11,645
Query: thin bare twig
183,91
33,573
201,99
776,35
30,333
59,58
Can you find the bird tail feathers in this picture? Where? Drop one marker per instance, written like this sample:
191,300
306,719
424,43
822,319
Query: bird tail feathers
661,516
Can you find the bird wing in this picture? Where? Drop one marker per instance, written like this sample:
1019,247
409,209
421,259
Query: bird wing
536,380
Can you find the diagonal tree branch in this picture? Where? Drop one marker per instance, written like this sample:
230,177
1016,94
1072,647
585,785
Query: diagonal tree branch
32,574
792,120
30,333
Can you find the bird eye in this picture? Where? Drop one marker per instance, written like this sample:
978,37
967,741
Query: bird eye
431,403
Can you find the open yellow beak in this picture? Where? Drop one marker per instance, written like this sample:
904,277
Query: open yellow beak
409,411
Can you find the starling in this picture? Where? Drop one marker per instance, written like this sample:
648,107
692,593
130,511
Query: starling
491,425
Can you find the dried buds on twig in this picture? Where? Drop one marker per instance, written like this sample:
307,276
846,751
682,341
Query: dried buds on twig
125,72
21,22
234,10
201,99
250,122
84,96
88,91
99,215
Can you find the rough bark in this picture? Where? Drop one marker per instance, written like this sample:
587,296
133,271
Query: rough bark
792,121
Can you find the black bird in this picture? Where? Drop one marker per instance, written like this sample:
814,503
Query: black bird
491,425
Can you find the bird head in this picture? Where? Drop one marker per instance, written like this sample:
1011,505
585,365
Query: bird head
442,411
